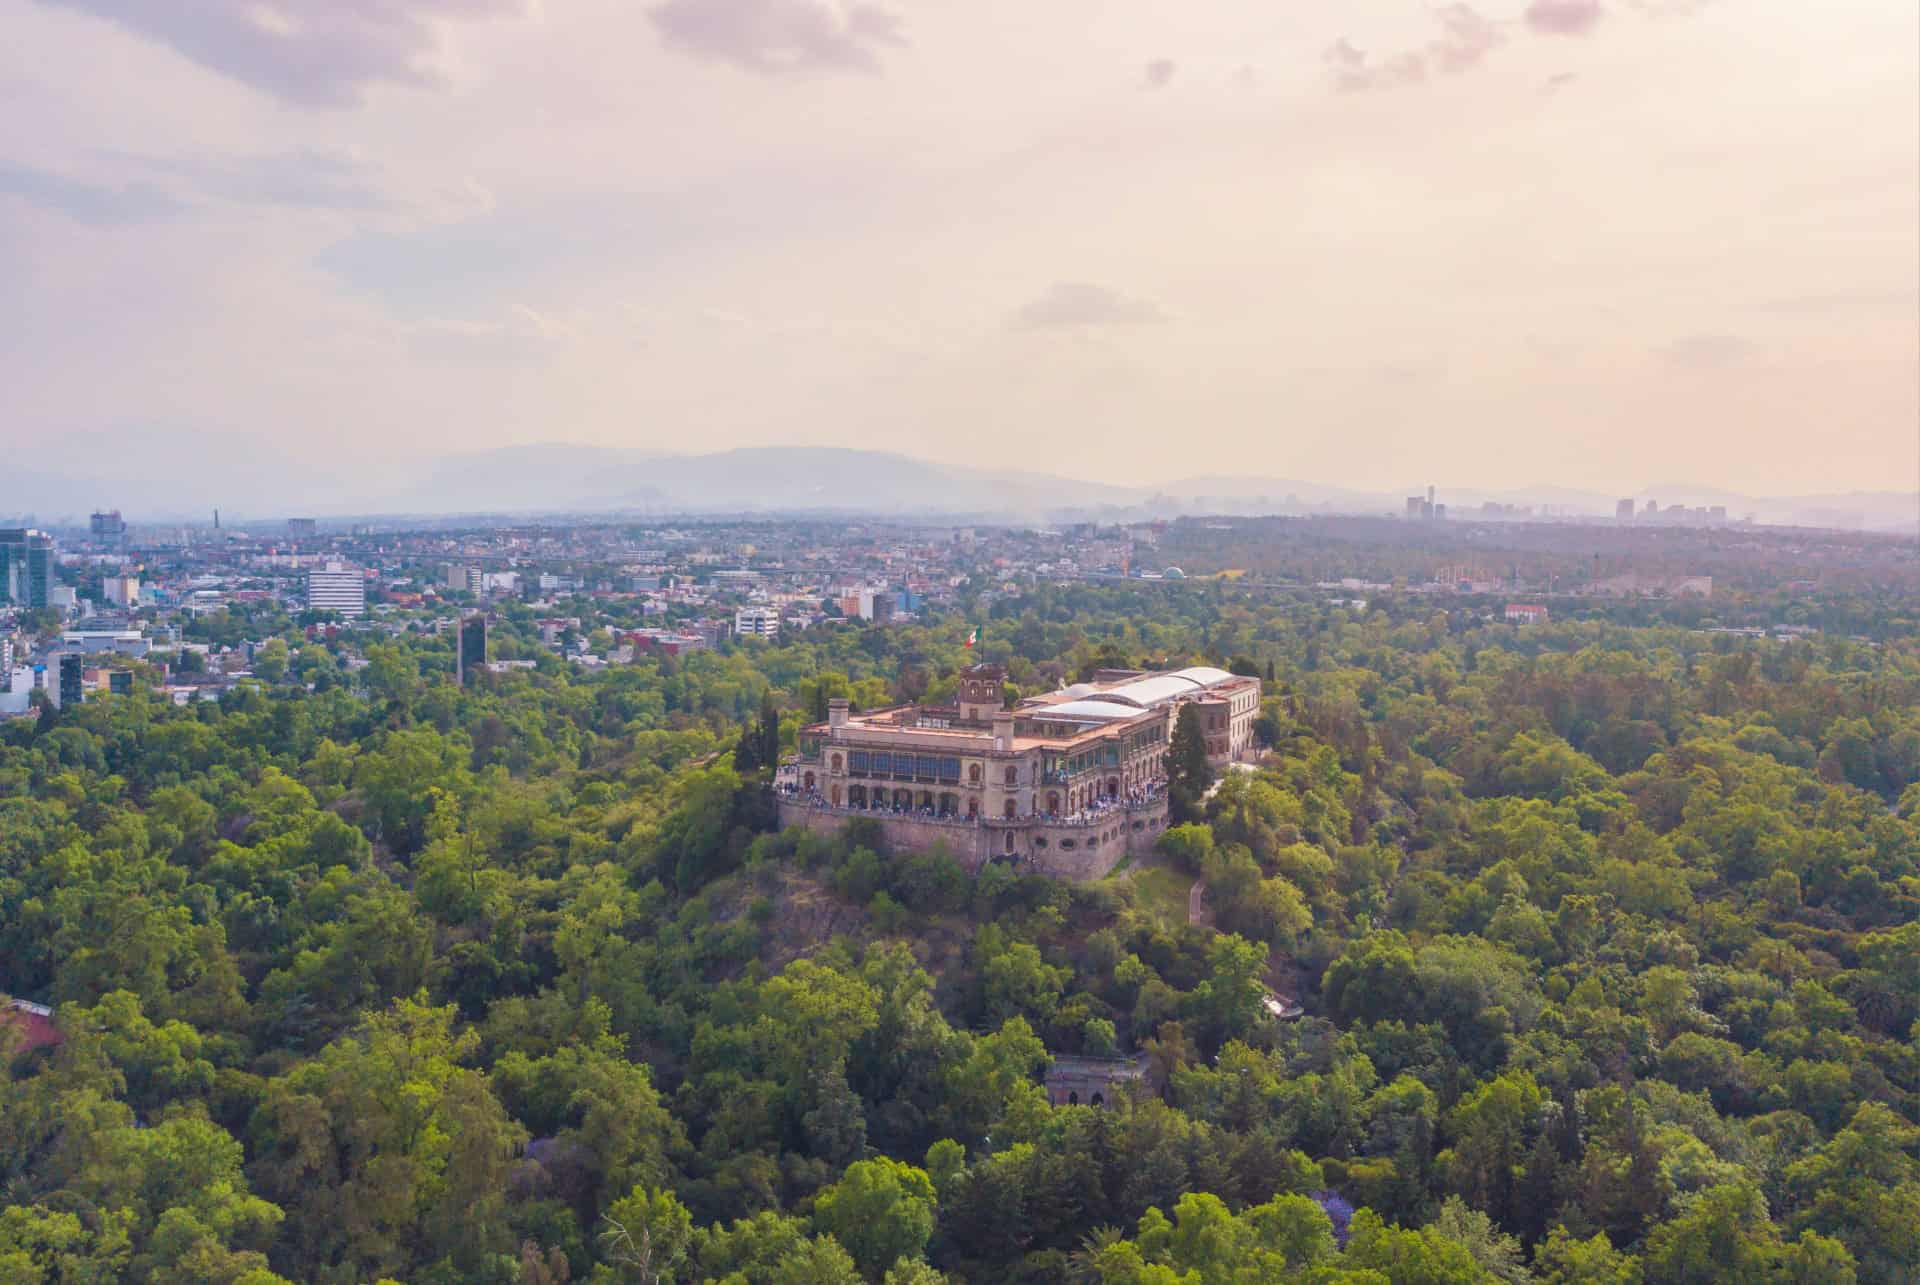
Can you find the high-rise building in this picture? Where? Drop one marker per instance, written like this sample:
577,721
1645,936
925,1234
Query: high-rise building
73,675
26,568
108,527
121,591
470,647
1623,511
338,588
301,526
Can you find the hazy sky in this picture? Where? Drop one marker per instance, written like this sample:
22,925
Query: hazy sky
1593,242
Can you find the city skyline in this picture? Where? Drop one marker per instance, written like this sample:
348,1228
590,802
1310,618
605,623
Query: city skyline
1597,245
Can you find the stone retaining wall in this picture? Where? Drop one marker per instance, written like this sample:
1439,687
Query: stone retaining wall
1064,850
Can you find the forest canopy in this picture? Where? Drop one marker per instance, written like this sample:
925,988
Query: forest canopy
1607,938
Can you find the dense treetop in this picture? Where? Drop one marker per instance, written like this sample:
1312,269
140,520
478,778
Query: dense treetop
1607,932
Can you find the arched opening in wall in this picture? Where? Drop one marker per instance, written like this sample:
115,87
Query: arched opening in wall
973,774
949,805
807,781
926,798
1073,1097
1139,825
973,809
1013,775
837,760
836,796
1009,817
1113,787
1053,799
1098,1100
1040,843
903,799
1067,845
856,796
1009,839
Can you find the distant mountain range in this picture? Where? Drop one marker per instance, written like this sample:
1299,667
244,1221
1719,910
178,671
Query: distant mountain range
559,479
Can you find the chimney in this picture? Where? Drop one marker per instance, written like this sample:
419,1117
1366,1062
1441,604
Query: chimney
837,711
1003,730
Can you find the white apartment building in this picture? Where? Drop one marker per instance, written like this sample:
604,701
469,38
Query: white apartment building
339,588
756,622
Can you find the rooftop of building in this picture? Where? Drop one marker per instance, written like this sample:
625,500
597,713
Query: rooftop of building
1091,709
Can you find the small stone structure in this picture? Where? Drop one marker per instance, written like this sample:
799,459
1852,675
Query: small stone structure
1093,1081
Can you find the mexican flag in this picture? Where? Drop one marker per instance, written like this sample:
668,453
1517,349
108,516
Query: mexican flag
973,635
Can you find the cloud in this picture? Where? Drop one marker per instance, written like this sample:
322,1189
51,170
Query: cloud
776,36
1705,352
313,53
1159,73
1466,37
306,178
1564,17
520,333
92,203
1070,305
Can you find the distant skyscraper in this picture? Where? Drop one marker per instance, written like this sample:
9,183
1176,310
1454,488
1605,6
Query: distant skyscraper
301,526
338,588
1623,511
470,647
108,528
73,674
26,568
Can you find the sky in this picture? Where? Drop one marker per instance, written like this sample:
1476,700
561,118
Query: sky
1594,243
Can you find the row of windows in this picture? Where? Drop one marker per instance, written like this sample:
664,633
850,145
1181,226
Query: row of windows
887,763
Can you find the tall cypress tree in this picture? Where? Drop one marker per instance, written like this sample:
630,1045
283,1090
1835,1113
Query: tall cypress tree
769,731
1188,773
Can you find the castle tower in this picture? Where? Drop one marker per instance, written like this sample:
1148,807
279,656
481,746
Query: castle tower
980,696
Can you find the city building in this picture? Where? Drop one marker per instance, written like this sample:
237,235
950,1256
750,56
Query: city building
1521,613
300,528
26,568
1623,511
1066,782
108,528
470,647
338,588
118,642
70,689
757,622
122,591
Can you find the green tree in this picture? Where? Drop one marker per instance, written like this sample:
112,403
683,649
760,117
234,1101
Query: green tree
881,1210
1188,772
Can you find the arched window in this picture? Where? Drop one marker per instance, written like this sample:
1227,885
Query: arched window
836,762
1013,775
973,774
1053,798
836,796
808,781
1009,817
973,809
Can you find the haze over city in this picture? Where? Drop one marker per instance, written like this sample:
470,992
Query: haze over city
290,251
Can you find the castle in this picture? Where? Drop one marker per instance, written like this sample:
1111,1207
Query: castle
1067,783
